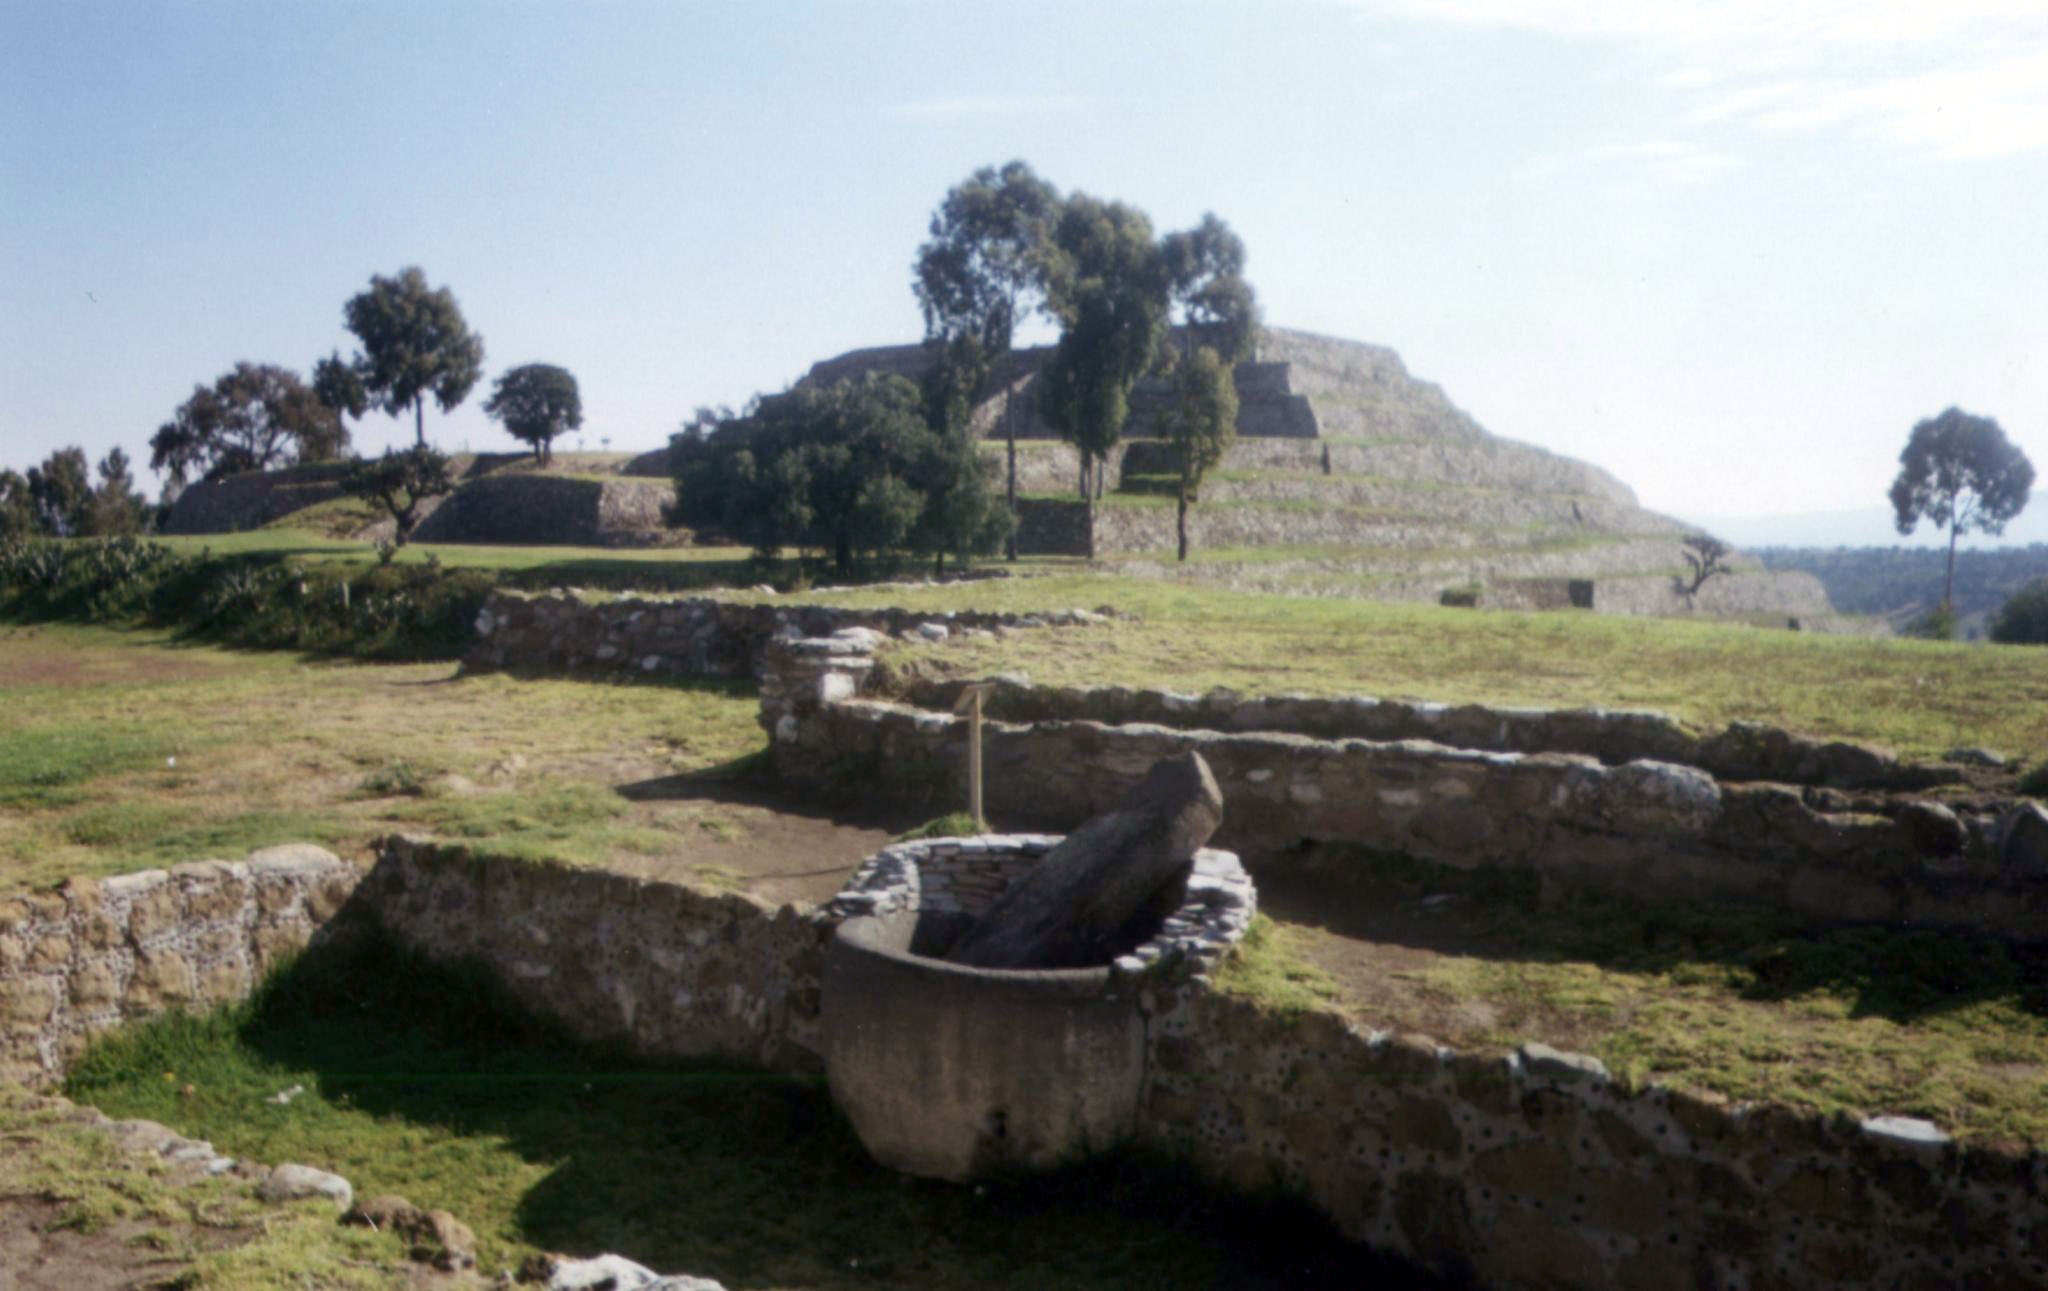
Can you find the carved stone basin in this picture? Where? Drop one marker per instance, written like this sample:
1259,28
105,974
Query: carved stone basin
951,1072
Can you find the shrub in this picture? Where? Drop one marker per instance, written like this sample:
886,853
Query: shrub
2023,619
1938,624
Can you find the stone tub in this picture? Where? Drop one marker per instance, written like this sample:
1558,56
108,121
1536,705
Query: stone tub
951,1072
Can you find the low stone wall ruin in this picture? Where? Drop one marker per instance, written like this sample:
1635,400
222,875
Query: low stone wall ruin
1743,751
1525,1170
1654,829
99,952
692,636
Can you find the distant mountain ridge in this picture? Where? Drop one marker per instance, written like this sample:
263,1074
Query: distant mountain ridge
1904,583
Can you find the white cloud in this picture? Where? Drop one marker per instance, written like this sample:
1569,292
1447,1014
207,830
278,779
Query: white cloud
1947,78
982,107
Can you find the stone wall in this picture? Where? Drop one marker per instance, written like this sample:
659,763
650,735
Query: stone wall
1534,1170
691,636
253,499
517,507
1525,1170
1656,830
663,969
96,953
1743,751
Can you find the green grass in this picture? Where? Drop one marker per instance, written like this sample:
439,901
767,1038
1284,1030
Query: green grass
121,751
1268,966
1920,697
426,1082
49,765
1743,1002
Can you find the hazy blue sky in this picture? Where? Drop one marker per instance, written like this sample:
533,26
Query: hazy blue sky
1728,249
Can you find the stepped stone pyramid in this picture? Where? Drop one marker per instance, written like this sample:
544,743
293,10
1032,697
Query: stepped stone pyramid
1351,477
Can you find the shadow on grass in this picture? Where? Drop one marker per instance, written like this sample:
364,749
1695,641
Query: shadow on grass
427,1081
1901,974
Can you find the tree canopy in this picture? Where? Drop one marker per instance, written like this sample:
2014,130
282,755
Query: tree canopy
1960,472
1200,423
400,482
1107,284
974,278
57,498
252,418
1205,274
415,342
2023,619
848,470
536,402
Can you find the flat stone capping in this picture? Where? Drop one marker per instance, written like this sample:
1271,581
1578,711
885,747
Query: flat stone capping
1744,751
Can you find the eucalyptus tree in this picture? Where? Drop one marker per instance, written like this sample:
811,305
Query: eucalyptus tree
979,274
415,342
1200,424
1217,306
252,418
1960,472
1108,286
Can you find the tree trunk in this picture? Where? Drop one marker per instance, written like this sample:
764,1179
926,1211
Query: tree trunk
1010,434
1948,585
1182,520
419,420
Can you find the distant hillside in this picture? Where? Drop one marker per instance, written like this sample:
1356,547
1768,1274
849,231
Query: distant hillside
1903,583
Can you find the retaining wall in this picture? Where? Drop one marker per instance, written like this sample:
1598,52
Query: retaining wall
1657,830
1526,1170
96,953
1743,751
692,636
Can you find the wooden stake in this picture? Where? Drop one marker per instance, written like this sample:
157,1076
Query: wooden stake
974,763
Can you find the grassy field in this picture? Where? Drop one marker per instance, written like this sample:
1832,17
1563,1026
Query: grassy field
120,751
1920,697
427,1084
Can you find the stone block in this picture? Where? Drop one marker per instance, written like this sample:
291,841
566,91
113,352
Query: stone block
162,976
52,951
224,980
1534,1168
1542,1251
26,1003
156,907
101,931
94,986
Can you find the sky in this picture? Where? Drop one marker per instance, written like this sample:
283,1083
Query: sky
1729,250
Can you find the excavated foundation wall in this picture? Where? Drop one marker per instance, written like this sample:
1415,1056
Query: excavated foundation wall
95,953
1529,1170
1514,1171
1652,828
690,636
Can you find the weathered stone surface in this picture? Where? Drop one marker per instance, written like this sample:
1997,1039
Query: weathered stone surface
291,1182
1073,908
2023,841
1933,828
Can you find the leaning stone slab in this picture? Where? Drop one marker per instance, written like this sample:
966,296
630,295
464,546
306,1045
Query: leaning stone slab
1071,909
